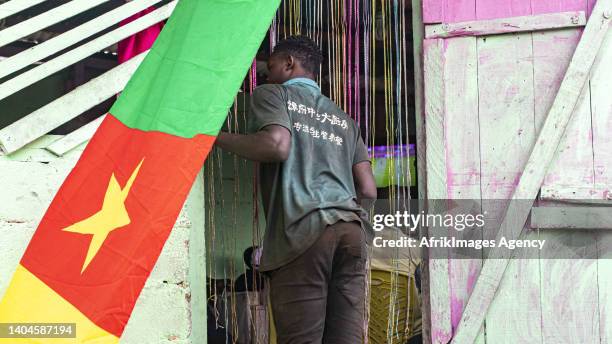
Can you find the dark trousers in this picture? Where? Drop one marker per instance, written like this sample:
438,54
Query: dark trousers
320,296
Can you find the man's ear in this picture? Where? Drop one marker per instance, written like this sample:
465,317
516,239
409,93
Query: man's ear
289,62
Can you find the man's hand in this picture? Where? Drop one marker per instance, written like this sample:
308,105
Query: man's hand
271,144
365,184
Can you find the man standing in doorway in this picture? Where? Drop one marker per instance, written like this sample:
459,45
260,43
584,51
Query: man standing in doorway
314,174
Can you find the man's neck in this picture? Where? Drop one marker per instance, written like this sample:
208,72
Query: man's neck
308,81
302,75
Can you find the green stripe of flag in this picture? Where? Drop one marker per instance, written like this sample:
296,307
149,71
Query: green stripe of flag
189,79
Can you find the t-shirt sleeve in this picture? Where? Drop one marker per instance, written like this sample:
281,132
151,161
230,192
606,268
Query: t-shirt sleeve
267,107
361,151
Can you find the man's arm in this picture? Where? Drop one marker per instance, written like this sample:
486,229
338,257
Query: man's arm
365,185
271,144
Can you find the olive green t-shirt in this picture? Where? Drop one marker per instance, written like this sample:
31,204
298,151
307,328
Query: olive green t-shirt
314,187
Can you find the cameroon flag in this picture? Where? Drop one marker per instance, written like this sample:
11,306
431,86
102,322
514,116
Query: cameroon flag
104,230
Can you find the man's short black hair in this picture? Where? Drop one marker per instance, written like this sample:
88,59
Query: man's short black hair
304,49
247,255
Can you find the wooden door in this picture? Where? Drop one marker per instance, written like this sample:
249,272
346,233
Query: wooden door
492,69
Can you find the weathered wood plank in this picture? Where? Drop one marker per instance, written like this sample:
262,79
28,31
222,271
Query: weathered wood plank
554,6
462,154
553,52
507,25
75,138
441,330
604,282
433,11
461,121
46,19
506,112
506,103
68,38
7,9
515,313
454,11
35,74
459,10
581,193
491,9
572,165
535,170
601,102
573,160
602,155
569,287
34,152
434,55
68,106
590,5
571,217
584,170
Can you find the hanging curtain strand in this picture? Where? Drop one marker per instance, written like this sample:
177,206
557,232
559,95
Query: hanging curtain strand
365,71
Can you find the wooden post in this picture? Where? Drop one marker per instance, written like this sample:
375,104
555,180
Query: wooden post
440,315
418,32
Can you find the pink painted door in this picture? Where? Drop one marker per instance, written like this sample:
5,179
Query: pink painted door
492,69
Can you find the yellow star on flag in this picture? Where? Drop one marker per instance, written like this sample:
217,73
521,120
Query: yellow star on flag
113,215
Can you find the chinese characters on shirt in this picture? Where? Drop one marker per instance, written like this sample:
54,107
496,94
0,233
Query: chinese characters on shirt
332,120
